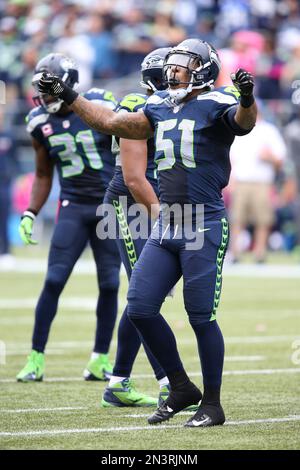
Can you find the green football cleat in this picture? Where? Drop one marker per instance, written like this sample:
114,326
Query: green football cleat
98,369
124,394
34,368
163,395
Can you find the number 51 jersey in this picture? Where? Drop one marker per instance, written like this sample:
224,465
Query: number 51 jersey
81,155
192,143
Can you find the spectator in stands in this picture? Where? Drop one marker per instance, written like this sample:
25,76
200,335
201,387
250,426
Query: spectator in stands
255,160
292,136
268,70
7,169
164,31
101,40
133,40
79,48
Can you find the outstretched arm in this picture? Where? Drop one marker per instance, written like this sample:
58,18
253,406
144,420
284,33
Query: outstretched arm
127,125
130,126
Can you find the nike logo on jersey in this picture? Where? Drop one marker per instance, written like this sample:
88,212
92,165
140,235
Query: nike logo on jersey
203,229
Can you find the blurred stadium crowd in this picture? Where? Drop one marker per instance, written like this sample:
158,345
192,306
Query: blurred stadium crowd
109,38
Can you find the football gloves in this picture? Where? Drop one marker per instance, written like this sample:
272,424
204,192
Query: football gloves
25,228
243,82
54,86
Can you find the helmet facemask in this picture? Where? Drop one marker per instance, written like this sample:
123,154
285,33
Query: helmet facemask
197,72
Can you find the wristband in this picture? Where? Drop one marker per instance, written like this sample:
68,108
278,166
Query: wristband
29,213
247,101
68,95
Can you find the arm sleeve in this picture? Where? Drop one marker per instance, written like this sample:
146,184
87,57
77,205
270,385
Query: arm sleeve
229,121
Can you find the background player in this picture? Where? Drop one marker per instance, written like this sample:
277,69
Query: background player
134,181
85,166
194,128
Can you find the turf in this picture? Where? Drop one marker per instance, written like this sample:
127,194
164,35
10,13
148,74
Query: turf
260,321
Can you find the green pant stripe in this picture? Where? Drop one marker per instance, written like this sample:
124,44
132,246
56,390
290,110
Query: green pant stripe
219,263
130,248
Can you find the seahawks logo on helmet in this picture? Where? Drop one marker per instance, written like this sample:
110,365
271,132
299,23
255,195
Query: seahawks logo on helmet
152,70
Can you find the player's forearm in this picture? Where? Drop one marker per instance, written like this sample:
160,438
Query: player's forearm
104,120
39,194
143,193
246,117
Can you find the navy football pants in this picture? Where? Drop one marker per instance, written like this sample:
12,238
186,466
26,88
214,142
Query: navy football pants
163,261
130,248
76,226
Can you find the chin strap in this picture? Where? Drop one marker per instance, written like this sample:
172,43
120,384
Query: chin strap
179,94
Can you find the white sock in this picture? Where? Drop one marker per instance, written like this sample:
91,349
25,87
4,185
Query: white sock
115,379
94,356
163,382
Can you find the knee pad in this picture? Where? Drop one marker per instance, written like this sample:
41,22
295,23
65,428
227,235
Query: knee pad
136,312
55,281
200,318
109,280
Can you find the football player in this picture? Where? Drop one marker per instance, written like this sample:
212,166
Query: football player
134,181
193,127
85,166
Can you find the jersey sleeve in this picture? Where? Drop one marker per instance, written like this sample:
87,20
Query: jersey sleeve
34,122
226,101
103,97
150,108
222,100
132,102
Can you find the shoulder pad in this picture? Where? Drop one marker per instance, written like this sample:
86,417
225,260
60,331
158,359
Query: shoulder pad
102,96
36,117
156,99
218,97
231,90
132,101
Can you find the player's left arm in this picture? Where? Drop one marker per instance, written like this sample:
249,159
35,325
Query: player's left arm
134,164
246,113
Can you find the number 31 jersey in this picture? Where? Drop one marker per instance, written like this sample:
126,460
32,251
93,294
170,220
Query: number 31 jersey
192,142
81,155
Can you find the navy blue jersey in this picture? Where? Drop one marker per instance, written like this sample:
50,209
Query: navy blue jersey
82,155
132,103
192,142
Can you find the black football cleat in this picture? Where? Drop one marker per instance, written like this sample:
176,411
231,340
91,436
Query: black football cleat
207,415
176,401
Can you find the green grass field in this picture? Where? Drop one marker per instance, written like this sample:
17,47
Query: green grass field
261,388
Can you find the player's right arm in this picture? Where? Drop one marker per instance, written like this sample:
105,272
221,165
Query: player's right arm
134,165
129,126
132,126
43,177
40,191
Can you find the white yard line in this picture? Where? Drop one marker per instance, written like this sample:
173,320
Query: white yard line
55,432
68,303
294,370
87,267
183,341
44,410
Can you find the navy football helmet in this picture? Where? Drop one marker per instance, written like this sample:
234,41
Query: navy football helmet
152,70
61,66
199,58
